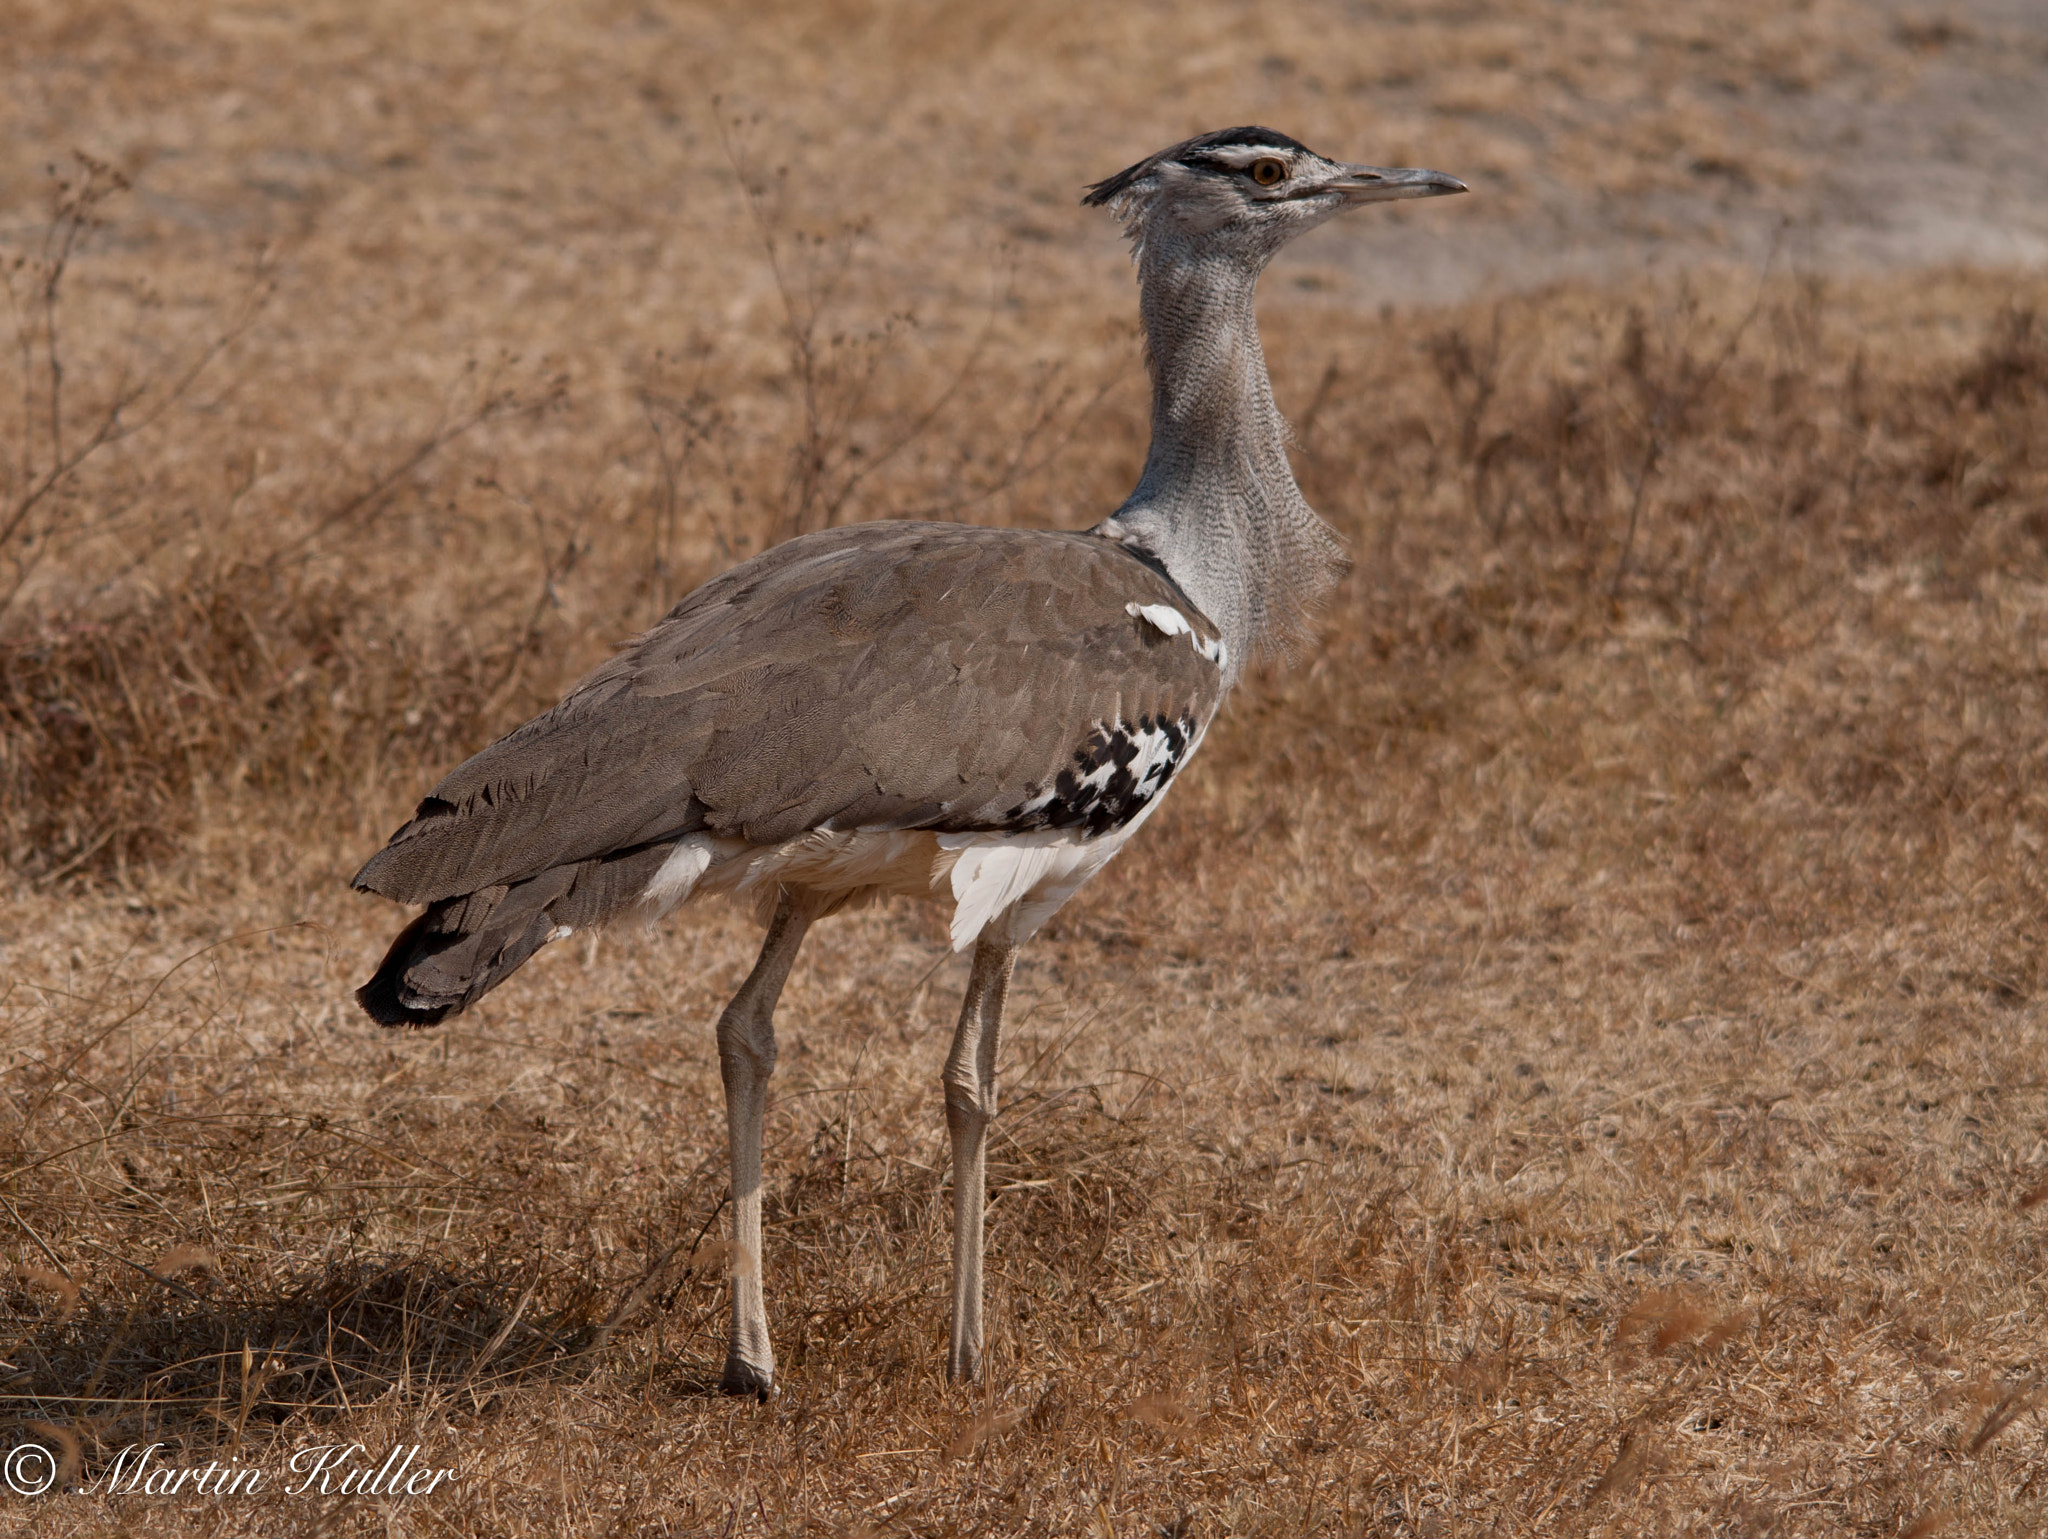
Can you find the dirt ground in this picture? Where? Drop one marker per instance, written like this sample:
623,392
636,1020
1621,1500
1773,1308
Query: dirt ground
1887,166
1569,1058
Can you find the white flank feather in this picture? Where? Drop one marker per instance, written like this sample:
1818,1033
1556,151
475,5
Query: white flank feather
678,876
1022,879
993,871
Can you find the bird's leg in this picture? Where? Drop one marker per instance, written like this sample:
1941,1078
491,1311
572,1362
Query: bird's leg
746,1057
970,1106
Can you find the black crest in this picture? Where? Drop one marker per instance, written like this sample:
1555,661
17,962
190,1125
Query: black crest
1189,151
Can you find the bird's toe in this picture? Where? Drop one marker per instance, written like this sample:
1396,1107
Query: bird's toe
743,1378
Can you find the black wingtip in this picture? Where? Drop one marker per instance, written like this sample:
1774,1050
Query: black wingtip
383,997
381,1002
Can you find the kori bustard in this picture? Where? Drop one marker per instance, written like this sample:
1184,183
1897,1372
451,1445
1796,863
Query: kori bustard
981,716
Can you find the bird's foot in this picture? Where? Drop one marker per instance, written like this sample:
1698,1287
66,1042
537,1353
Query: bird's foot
743,1378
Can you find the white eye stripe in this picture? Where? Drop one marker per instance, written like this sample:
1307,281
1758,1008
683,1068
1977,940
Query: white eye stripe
1241,156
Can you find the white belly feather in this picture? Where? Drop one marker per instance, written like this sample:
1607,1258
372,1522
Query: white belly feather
988,875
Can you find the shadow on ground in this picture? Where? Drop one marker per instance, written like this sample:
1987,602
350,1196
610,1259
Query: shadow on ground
187,1360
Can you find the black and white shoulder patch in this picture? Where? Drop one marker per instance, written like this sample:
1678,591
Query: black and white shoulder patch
1114,776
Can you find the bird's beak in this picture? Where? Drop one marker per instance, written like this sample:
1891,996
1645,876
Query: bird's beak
1381,184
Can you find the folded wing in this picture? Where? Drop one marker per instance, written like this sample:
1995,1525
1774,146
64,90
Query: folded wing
883,676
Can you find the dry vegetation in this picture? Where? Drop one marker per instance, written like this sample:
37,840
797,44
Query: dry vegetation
1570,1060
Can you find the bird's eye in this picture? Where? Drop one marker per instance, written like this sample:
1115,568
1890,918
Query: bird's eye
1268,173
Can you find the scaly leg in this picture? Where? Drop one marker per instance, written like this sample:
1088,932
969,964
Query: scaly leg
970,1079
746,1057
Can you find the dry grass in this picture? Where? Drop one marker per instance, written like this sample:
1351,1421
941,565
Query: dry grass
1569,1061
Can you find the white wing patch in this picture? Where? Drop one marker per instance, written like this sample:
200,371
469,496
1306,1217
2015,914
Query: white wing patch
1163,618
1168,621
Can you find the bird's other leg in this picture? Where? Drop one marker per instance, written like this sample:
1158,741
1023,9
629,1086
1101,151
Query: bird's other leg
746,1057
970,1106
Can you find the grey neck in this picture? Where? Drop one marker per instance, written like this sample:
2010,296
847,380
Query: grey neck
1217,503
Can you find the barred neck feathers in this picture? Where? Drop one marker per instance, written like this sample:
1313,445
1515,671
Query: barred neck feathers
1217,503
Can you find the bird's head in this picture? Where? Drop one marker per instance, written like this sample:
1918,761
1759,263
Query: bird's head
1246,192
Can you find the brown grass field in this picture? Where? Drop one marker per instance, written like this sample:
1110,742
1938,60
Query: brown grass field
1571,1060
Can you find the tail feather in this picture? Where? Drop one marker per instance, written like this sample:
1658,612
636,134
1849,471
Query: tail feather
463,947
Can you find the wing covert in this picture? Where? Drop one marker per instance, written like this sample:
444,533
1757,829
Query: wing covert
889,675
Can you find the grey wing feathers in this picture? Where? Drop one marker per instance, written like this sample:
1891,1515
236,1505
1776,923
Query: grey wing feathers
881,676
884,676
